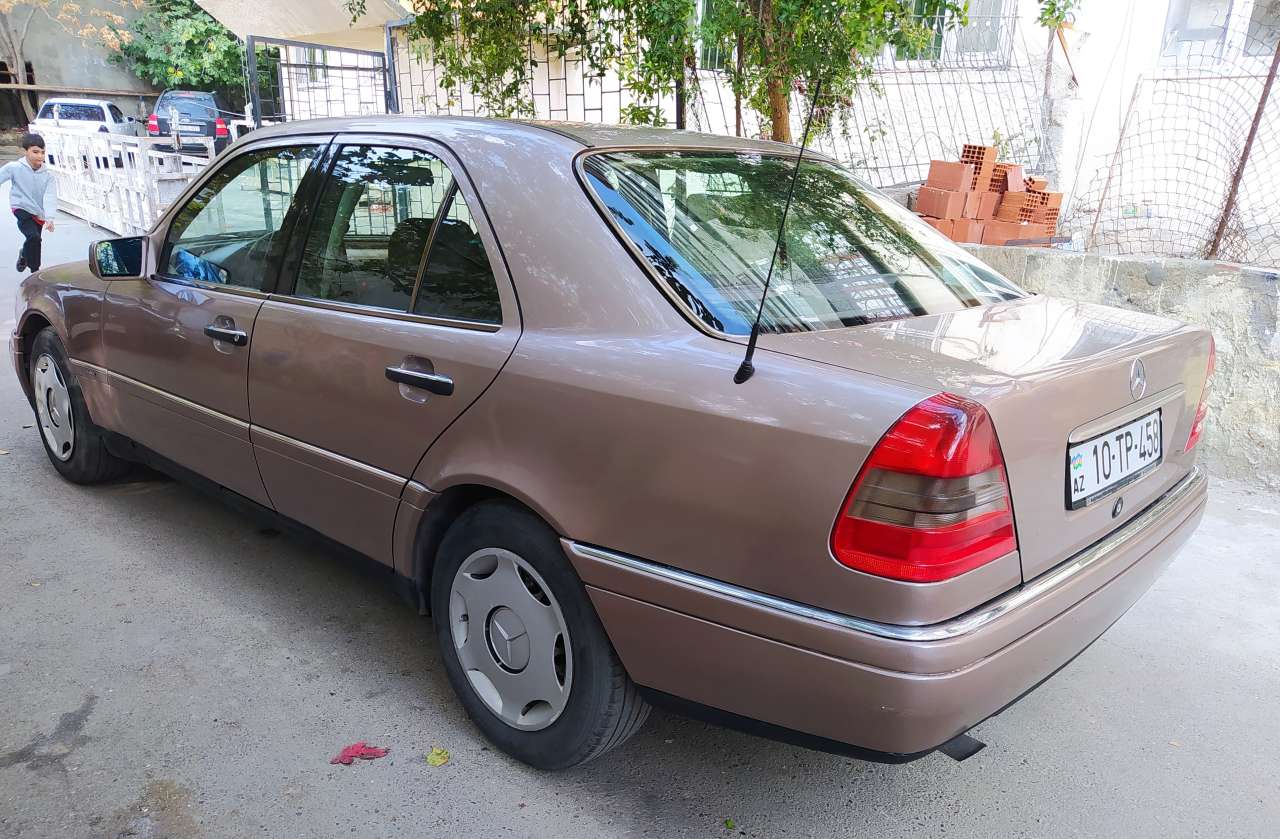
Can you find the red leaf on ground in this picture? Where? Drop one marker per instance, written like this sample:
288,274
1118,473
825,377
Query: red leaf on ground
359,751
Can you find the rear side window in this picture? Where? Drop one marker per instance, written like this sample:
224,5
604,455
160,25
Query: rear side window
458,282
707,223
372,225
392,231
72,111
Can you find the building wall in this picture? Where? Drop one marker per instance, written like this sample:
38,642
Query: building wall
61,58
315,21
1157,125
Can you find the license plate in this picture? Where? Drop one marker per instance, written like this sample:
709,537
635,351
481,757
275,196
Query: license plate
1099,466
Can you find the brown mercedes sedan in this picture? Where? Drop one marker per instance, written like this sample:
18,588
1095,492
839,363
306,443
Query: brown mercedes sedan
498,358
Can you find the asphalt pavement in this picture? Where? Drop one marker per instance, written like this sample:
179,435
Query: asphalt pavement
168,668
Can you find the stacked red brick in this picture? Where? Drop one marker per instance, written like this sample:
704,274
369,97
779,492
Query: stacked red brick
980,200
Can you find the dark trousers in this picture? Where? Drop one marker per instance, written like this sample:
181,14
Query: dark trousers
30,229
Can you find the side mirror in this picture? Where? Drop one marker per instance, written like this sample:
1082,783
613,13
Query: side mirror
119,259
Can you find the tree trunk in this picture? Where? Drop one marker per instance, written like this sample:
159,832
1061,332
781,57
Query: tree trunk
11,43
779,110
777,87
1049,163
737,92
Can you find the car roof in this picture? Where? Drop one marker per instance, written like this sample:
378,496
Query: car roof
69,100
587,135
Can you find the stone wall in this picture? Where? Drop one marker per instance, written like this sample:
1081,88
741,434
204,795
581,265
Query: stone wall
1239,304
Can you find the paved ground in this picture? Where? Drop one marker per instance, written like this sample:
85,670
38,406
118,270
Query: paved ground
169,670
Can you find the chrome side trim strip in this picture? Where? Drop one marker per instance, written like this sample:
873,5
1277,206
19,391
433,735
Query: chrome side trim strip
394,484
385,314
964,624
195,407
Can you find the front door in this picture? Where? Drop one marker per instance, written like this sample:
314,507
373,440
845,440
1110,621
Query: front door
400,316
176,345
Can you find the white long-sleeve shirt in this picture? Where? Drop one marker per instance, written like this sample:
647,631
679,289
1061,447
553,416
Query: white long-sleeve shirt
30,189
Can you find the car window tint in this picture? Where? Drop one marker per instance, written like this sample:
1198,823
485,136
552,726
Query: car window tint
707,222
72,111
224,233
372,225
116,113
458,282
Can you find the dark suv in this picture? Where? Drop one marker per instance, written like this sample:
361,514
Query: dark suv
199,113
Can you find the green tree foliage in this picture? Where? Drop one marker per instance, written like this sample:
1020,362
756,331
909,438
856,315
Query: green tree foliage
782,46
484,44
176,44
790,44
1054,13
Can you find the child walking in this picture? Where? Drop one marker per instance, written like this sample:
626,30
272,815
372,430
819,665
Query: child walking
33,197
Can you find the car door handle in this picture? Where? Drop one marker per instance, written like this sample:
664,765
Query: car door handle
234,337
433,382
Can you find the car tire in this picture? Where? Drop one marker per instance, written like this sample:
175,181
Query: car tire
75,446
506,564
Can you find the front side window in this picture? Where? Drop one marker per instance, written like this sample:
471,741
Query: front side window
116,113
935,26
1196,29
987,28
1264,28
707,223
224,233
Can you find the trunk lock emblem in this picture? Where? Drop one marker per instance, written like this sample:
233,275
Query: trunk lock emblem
1117,508
1137,380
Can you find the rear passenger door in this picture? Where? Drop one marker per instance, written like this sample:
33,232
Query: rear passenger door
399,314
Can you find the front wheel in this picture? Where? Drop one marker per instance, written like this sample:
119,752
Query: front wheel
522,645
74,444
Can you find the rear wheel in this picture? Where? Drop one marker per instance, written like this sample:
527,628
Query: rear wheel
522,645
75,445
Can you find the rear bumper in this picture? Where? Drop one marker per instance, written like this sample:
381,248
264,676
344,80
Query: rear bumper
897,690
219,144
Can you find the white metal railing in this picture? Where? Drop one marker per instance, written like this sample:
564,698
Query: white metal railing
120,182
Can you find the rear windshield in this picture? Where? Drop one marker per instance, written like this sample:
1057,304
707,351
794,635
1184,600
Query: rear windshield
199,106
71,110
707,223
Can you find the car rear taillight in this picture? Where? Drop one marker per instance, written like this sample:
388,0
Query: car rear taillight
1202,410
220,128
153,124
932,500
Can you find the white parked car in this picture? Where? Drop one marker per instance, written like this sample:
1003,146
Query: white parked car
85,114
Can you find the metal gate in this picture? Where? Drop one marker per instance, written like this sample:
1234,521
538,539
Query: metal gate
292,80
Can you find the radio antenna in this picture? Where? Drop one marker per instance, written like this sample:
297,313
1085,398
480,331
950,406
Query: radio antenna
745,369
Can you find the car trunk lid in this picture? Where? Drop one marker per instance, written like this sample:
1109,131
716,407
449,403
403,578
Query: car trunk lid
1051,373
